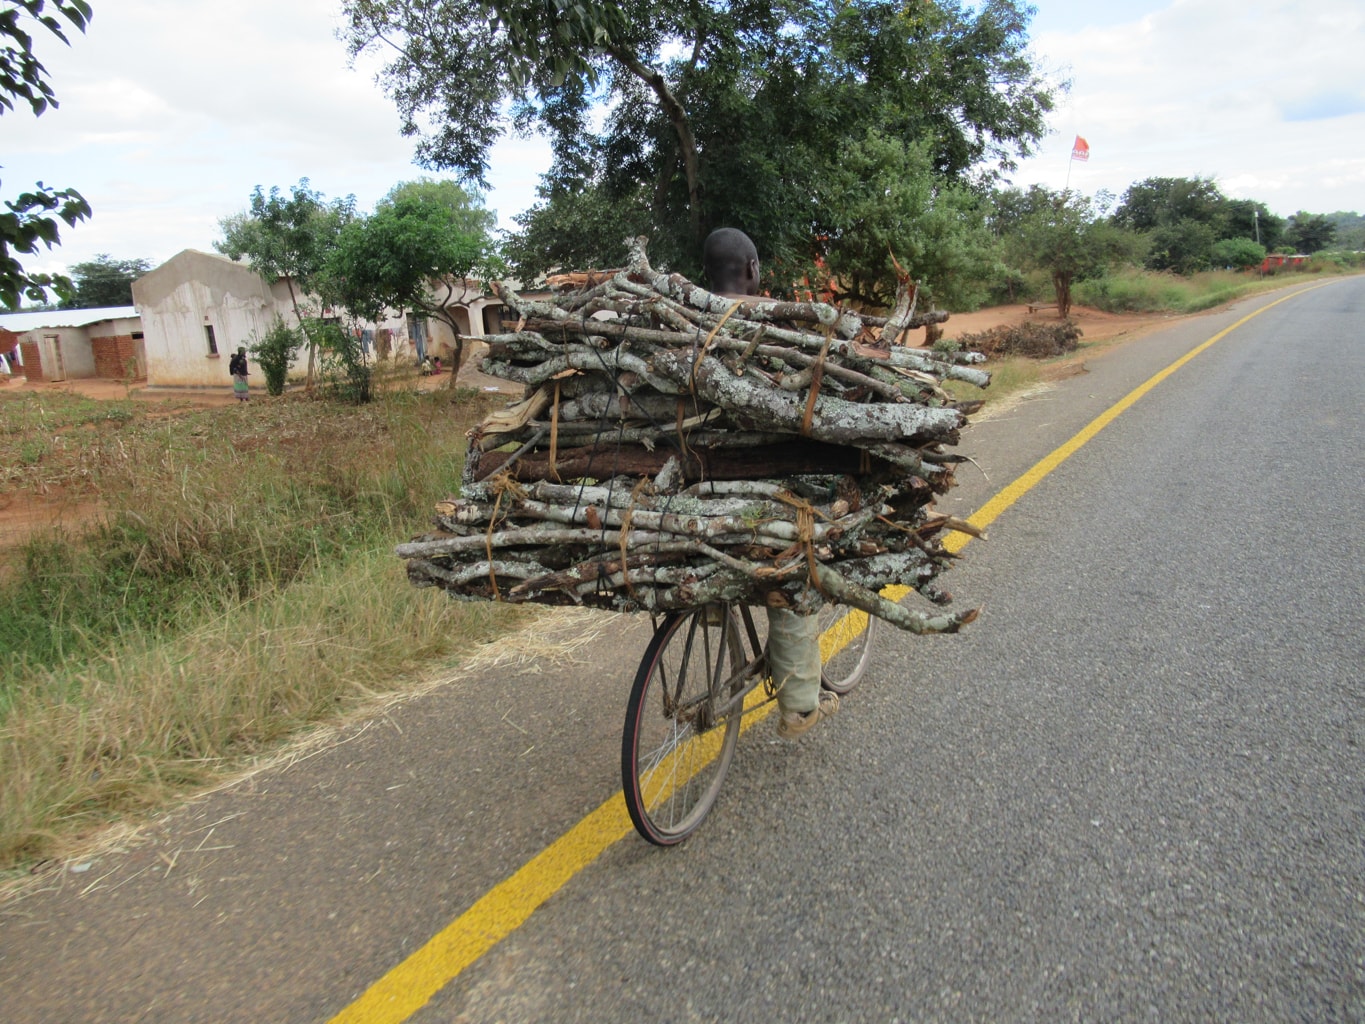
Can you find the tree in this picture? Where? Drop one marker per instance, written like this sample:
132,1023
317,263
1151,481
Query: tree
722,113
1183,218
1250,219
32,217
1155,202
105,281
425,246
1061,233
1309,232
274,354
1237,253
881,207
290,238
1350,230
1181,246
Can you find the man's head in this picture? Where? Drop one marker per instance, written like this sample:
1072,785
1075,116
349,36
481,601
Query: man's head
241,350
730,260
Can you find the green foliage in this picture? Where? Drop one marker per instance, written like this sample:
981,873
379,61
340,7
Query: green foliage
1349,230
344,371
731,113
425,245
1247,218
287,237
1182,246
22,76
1144,291
1237,253
105,281
1183,218
274,354
1310,232
882,205
465,211
579,227
1155,202
1062,234
31,219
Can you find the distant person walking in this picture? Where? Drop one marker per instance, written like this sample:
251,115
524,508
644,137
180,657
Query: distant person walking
237,367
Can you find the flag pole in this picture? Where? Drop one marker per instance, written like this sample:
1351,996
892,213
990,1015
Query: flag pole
1080,150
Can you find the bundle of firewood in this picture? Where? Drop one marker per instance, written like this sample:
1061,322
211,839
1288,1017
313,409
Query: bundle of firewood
675,447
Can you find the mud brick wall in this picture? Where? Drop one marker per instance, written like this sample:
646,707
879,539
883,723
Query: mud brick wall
33,370
114,356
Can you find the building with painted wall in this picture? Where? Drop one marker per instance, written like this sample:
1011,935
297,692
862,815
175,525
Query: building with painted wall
79,344
197,309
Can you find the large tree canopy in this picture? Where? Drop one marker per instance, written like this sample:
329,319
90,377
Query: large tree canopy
31,219
1310,232
733,112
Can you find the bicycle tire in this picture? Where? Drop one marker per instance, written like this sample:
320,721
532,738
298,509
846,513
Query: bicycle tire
847,634
674,756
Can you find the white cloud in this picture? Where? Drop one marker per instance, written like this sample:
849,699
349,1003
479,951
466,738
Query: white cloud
1266,97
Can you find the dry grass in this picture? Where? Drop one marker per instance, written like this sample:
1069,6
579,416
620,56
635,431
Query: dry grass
238,588
151,721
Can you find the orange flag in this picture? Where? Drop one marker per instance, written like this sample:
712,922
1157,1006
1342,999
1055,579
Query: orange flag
1081,150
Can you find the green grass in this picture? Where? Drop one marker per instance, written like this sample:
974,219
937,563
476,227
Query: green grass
237,585
1144,291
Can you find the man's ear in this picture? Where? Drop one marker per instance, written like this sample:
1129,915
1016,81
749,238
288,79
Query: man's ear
752,269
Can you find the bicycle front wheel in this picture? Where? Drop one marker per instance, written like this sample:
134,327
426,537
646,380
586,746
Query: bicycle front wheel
845,646
680,733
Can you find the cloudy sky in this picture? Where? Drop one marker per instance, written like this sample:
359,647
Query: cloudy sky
172,111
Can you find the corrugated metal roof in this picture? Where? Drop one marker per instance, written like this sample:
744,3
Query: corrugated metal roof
21,322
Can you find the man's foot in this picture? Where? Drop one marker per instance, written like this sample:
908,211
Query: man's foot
791,724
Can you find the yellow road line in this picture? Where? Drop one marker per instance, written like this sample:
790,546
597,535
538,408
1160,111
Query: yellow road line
505,907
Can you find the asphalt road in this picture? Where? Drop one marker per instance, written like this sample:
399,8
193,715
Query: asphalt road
1133,790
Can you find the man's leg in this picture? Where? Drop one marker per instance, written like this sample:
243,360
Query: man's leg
794,657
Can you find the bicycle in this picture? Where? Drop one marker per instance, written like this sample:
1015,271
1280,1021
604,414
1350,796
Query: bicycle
703,671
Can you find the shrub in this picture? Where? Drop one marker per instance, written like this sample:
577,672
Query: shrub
344,372
274,354
1237,253
1031,338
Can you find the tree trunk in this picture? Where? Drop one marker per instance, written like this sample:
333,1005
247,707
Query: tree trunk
677,116
312,348
1061,285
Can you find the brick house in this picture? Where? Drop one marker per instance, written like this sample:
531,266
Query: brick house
78,344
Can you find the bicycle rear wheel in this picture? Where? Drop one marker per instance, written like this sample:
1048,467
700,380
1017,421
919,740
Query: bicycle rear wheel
845,646
678,739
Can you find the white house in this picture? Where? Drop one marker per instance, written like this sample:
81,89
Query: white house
76,344
197,309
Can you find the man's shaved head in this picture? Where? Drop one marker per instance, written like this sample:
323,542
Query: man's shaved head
730,260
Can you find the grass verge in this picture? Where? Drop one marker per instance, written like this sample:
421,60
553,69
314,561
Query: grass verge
1145,291
236,586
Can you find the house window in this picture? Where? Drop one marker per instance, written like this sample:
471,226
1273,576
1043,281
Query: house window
213,342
